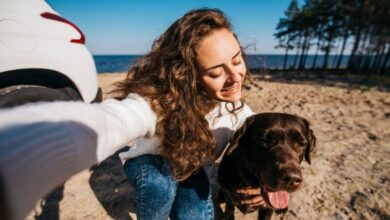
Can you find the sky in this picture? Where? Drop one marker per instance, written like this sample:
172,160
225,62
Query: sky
130,26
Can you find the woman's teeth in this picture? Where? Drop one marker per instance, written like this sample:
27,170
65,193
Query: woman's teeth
230,88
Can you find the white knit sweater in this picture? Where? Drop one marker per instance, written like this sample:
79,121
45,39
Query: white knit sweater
41,145
221,122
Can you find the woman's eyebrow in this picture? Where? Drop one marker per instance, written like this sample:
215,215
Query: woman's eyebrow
219,65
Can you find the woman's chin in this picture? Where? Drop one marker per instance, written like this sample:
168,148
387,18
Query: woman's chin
231,98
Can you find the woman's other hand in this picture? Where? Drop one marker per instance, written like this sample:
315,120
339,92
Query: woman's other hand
256,199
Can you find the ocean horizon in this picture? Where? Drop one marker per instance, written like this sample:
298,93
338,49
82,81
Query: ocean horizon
121,63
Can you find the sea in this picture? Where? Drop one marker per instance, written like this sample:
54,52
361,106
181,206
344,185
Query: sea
121,63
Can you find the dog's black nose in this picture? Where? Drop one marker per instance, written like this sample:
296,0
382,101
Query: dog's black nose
291,178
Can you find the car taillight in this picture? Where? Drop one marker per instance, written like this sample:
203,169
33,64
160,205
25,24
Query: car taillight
55,17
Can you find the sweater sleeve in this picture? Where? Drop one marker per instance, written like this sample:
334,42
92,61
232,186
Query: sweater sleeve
116,123
41,145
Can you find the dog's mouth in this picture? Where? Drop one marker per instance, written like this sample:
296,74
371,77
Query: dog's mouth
275,199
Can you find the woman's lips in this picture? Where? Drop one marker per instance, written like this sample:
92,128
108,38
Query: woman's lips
231,89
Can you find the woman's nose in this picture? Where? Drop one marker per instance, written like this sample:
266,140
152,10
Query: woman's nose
233,74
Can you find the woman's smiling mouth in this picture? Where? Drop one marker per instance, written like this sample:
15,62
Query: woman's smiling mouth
231,89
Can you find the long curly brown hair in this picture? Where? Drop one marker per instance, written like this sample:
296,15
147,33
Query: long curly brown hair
168,78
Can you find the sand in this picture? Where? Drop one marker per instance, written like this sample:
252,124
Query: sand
348,179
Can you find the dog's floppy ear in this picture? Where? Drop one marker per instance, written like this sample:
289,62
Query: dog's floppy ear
312,142
233,144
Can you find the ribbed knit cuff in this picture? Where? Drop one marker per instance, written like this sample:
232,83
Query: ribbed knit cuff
36,158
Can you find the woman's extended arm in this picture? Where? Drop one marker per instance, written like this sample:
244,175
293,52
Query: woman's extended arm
41,145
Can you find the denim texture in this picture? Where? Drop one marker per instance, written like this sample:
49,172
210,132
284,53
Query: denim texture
159,196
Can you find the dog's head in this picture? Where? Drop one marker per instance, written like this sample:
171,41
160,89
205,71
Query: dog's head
273,146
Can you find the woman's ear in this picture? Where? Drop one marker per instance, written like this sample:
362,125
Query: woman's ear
233,144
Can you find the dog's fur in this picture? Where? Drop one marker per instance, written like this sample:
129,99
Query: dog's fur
265,153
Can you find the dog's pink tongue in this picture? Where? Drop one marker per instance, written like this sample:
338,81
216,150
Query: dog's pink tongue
278,200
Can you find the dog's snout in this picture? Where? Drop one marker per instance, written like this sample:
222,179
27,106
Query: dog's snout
291,178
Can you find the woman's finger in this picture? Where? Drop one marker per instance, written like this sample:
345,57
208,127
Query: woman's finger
250,191
262,205
254,200
258,203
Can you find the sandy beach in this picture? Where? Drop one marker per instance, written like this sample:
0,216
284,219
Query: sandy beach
348,179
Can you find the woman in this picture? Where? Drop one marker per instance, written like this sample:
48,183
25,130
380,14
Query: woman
178,108
192,79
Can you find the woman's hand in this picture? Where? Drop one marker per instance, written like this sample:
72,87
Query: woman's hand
256,200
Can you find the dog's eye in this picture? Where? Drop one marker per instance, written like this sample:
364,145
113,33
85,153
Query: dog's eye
269,139
263,144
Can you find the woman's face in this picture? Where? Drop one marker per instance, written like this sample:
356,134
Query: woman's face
222,67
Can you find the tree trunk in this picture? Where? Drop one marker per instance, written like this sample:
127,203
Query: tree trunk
296,59
378,59
335,57
351,61
385,61
301,60
327,51
297,55
316,55
285,58
306,53
319,34
366,60
361,51
342,51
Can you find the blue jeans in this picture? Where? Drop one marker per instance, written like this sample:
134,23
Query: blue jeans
158,195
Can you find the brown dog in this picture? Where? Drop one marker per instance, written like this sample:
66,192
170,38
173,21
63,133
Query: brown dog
265,153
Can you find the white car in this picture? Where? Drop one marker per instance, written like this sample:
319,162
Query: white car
42,56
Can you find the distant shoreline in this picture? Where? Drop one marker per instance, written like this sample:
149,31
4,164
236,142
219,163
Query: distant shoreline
121,63
328,78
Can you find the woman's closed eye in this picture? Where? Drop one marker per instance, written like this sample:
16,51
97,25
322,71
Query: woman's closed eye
237,61
214,74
